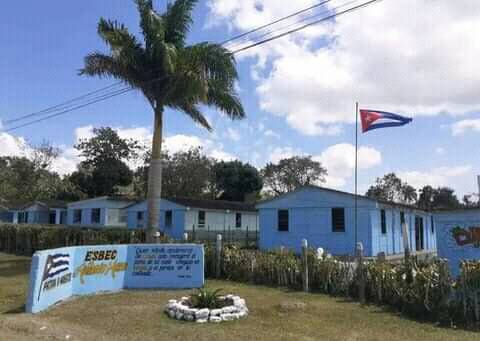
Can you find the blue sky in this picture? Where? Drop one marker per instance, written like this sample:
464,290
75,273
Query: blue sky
299,92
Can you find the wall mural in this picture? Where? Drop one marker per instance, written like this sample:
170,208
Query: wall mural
466,236
81,270
458,239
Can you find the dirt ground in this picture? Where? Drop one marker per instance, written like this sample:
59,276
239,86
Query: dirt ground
138,315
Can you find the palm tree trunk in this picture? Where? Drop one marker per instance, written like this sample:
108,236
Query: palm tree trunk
155,177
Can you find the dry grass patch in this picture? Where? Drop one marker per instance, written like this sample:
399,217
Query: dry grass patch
138,315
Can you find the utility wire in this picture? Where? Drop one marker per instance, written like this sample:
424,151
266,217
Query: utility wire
263,35
129,88
63,106
275,22
306,25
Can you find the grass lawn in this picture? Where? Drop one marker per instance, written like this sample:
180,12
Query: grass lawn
138,315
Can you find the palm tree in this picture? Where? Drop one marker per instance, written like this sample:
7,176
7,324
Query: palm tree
169,73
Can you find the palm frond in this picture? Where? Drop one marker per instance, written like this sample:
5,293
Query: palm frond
98,64
214,60
151,23
117,36
178,20
226,100
195,114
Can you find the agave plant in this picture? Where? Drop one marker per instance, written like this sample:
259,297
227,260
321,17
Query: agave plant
205,298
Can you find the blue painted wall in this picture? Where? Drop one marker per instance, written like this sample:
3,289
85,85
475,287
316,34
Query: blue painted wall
60,273
177,229
448,247
310,217
87,206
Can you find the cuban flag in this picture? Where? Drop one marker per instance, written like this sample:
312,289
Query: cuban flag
55,265
374,119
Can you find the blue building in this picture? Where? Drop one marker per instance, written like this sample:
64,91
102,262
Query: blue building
205,218
51,212
106,211
458,236
325,217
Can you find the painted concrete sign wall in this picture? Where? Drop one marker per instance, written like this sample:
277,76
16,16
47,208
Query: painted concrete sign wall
57,274
458,237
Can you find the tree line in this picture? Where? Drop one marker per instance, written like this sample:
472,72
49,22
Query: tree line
112,165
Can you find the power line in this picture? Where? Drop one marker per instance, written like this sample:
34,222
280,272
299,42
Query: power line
62,105
59,106
297,22
127,89
306,25
275,22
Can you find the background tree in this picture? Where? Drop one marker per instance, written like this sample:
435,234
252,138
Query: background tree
105,168
291,173
426,198
185,174
235,180
28,179
445,198
169,73
391,188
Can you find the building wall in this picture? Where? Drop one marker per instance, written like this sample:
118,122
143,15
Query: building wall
109,211
463,225
6,216
186,220
391,242
310,217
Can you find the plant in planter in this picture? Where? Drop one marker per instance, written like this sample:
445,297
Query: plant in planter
207,306
205,298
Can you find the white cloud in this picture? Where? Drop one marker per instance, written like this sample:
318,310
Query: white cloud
441,176
439,150
180,142
271,133
463,126
279,153
392,68
339,160
13,145
233,134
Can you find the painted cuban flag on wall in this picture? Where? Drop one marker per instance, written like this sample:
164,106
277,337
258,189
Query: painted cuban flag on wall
374,119
55,265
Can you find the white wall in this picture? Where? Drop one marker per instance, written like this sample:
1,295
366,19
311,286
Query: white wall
216,220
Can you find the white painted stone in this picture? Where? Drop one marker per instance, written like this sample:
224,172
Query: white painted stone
215,319
178,315
215,312
227,317
189,317
201,321
172,301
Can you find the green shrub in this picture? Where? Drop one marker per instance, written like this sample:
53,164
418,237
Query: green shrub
26,239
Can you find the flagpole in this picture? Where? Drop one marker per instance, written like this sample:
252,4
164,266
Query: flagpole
356,171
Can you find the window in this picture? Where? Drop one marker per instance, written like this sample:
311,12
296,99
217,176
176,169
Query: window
168,218
21,217
77,216
96,216
140,219
238,220
432,228
201,219
419,243
52,217
338,219
402,218
26,217
283,220
383,218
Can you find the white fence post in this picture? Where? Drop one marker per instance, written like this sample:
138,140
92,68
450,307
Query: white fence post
218,256
305,264
360,274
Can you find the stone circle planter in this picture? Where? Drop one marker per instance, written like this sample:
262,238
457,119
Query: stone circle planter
234,308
